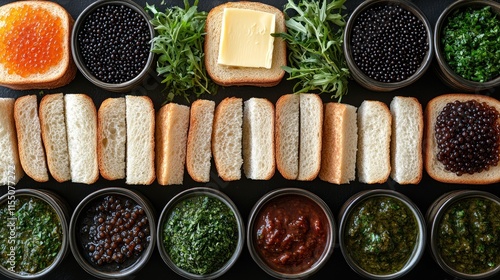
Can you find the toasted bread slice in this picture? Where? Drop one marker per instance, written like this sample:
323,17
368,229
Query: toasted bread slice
112,138
227,138
406,142
47,53
238,76
199,148
374,142
29,137
287,133
172,123
11,170
53,125
433,166
340,143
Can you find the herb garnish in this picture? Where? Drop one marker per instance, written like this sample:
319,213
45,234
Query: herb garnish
471,44
179,46
314,38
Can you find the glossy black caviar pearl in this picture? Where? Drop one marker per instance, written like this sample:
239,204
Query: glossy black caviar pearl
114,42
388,43
467,135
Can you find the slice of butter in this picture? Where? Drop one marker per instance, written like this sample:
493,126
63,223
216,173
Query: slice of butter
246,39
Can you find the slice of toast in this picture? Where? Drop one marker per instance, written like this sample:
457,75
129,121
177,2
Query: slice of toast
29,137
287,133
44,46
11,170
311,129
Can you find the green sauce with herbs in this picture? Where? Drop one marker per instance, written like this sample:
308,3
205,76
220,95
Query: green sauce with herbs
469,235
200,234
30,235
381,235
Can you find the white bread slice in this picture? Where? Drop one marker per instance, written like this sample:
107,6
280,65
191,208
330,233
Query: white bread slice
258,139
140,163
62,72
199,148
53,125
311,130
11,170
238,76
227,138
172,123
81,127
29,137
340,143
434,167
374,141
112,138
406,142
287,135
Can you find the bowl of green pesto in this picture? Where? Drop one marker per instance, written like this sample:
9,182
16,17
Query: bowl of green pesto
200,233
33,233
464,230
466,45
382,234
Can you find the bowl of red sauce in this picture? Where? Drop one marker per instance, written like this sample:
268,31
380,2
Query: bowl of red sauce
291,233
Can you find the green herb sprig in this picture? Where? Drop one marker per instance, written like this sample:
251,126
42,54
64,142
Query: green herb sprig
179,46
314,38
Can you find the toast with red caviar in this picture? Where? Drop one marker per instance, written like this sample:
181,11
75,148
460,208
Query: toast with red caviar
35,53
462,139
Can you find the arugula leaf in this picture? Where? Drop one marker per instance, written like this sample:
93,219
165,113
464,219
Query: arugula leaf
314,37
179,46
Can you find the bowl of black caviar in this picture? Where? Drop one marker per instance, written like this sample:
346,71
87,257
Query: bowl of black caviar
464,230
200,233
387,44
382,234
111,44
466,45
112,233
33,233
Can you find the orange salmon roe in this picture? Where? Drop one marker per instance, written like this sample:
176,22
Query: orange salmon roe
31,41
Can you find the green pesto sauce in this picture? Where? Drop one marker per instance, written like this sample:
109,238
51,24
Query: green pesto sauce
469,235
200,234
30,235
381,235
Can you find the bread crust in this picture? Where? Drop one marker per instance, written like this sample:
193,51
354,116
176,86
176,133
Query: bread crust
435,168
241,76
66,69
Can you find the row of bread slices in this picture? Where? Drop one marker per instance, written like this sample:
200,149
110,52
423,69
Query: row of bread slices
299,135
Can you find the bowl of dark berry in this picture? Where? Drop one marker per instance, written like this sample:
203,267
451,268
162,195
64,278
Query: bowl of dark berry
112,233
111,44
387,44
467,47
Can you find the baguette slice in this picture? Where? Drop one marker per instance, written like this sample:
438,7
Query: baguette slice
258,139
227,138
406,142
13,21
374,141
112,138
199,149
53,125
172,123
340,143
311,130
140,115
435,168
11,170
29,137
81,127
287,135
238,76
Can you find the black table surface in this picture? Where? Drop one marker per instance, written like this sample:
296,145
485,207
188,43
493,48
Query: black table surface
244,192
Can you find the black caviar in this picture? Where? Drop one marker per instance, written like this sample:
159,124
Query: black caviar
467,135
388,43
114,42
114,231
